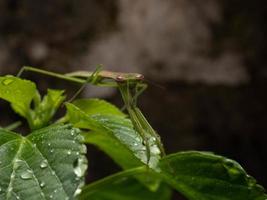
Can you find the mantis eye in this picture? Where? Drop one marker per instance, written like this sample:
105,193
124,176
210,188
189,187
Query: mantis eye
140,77
120,78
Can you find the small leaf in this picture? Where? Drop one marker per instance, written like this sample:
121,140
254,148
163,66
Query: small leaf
205,176
46,109
18,92
41,165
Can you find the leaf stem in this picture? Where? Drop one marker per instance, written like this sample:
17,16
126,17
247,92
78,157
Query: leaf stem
13,126
107,180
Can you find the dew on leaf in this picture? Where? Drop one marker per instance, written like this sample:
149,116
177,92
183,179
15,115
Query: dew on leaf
155,150
42,184
80,167
43,164
77,192
7,81
69,152
26,175
83,149
72,132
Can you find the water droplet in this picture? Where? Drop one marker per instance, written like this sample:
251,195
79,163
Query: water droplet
143,148
0,189
69,152
26,175
10,189
7,81
77,153
34,145
83,149
49,144
77,192
55,191
154,149
51,196
17,197
51,150
72,132
135,144
43,164
81,167
42,184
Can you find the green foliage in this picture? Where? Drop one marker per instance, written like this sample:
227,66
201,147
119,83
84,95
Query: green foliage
21,93
111,126
205,176
126,188
44,110
47,164
50,162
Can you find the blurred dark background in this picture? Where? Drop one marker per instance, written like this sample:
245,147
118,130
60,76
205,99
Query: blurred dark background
209,58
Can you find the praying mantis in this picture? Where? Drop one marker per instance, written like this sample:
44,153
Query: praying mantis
130,85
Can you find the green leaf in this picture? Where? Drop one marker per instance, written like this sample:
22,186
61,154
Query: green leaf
205,176
47,164
18,92
125,189
46,109
97,107
112,130
115,135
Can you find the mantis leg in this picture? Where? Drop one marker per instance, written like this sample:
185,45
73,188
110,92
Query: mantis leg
93,78
128,100
139,89
57,75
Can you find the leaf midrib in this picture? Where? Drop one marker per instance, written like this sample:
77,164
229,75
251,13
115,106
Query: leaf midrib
8,194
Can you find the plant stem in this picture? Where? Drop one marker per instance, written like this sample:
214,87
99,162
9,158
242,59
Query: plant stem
107,180
13,126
